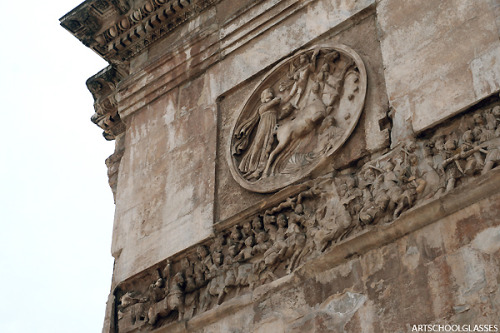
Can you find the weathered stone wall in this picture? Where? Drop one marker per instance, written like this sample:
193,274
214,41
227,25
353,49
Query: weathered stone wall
413,273
399,222
439,58
165,199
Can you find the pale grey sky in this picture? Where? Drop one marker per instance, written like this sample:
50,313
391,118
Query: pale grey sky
56,209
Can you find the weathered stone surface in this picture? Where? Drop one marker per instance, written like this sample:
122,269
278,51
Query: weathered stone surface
435,58
323,222
166,182
397,226
370,136
364,294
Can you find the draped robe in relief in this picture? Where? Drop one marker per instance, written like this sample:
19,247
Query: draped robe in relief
256,156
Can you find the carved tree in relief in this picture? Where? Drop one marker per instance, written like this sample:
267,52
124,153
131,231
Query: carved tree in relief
299,115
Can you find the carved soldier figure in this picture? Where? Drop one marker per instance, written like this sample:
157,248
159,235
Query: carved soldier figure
450,165
235,238
247,252
495,112
156,293
218,243
203,269
486,132
192,293
351,196
175,296
470,153
296,240
273,254
492,157
231,271
262,245
270,228
257,225
313,238
246,229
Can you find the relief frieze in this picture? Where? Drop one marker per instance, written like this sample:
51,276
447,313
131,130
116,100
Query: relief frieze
257,249
298,116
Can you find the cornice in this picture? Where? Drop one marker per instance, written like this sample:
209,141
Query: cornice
119,29
199,53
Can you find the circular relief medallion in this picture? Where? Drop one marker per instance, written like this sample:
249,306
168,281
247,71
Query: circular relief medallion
297,117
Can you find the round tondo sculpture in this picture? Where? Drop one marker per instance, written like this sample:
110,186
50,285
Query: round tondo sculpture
297,117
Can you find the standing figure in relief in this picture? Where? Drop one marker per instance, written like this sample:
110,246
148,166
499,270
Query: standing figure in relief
492,157
301,78
253,162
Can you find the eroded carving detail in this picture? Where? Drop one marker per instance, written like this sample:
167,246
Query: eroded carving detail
120,30
103,89
298,116
278,240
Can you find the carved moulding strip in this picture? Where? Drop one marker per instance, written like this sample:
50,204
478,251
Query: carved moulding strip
297,118
320,223
120,31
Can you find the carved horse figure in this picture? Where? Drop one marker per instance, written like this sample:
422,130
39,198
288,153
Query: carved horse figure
288,134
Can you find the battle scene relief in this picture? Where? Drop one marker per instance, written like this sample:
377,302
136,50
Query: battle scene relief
300,114
276,241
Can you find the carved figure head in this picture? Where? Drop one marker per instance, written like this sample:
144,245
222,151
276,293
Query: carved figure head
477,132
389,166
201,251
218,242
159,283
268,220
468,136
217,257
316,87
281,220
261,237
350,182
300,240
185,264
232,251
266,95
427,149
247,228
235,233
299,209
478,119
450,144
413,159
249,241
439,143
256,223
178,278
496,111
369,175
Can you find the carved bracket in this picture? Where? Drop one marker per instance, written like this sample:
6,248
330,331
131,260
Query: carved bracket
103,88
